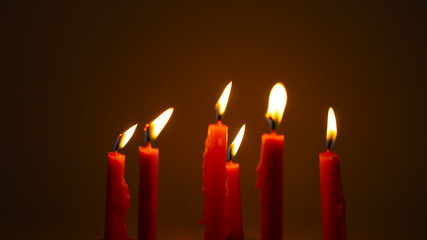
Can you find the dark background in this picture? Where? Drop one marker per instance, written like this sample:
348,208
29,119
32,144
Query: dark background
76,74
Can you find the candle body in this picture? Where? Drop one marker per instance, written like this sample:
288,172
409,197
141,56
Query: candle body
333,207
214,177
118,199
148,182
234,229
270,181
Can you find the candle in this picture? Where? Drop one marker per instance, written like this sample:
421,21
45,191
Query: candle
270,168
234,225
118,199
148,178
333,207
214,173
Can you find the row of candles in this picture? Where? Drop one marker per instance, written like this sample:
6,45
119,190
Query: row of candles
222,210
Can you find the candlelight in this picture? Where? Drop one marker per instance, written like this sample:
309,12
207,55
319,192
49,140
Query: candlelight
125,137
234,146
331,132
276,104
157,125
221,105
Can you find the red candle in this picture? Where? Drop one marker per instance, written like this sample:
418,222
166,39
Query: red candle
270,169
214,174
118,199
234,225
333,207
148,179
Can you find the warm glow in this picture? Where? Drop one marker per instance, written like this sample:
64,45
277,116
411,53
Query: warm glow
221,105
331,132
159,123
277,103
126,136
234,147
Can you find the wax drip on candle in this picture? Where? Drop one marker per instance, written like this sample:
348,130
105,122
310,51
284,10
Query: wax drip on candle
221,105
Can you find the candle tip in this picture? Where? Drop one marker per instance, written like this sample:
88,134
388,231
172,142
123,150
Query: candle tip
331,130
234,146
117,143
147,134
221,105
276,105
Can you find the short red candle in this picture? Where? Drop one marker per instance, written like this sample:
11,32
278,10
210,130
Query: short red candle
233,203
214,177
333,207
118,199
270,181
270,168
148,181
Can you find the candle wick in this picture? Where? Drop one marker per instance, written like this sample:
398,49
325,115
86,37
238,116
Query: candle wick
117,144
329,144
147,133
272,123
229,155
218,115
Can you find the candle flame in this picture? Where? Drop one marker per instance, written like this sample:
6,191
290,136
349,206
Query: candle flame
157,125
234,147
221,105
126,136
276,104
331,132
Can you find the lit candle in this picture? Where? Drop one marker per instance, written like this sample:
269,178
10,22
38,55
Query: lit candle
118,199
234,225
148,179
333,207
214,173
270,168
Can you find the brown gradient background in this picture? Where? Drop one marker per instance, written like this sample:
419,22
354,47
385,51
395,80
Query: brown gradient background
76,74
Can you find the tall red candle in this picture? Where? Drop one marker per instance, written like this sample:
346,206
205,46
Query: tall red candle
148,179
118,199
270,169
234,224
214,174
148,182
333,207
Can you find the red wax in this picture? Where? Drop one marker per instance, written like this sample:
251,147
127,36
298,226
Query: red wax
148,181
214,176
234,228
270,181
118,199
333,207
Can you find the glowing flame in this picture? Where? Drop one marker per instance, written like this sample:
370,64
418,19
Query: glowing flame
277,103
126,136
221,105
331,132
156,126
234,147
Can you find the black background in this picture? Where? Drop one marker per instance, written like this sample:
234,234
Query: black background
76,74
